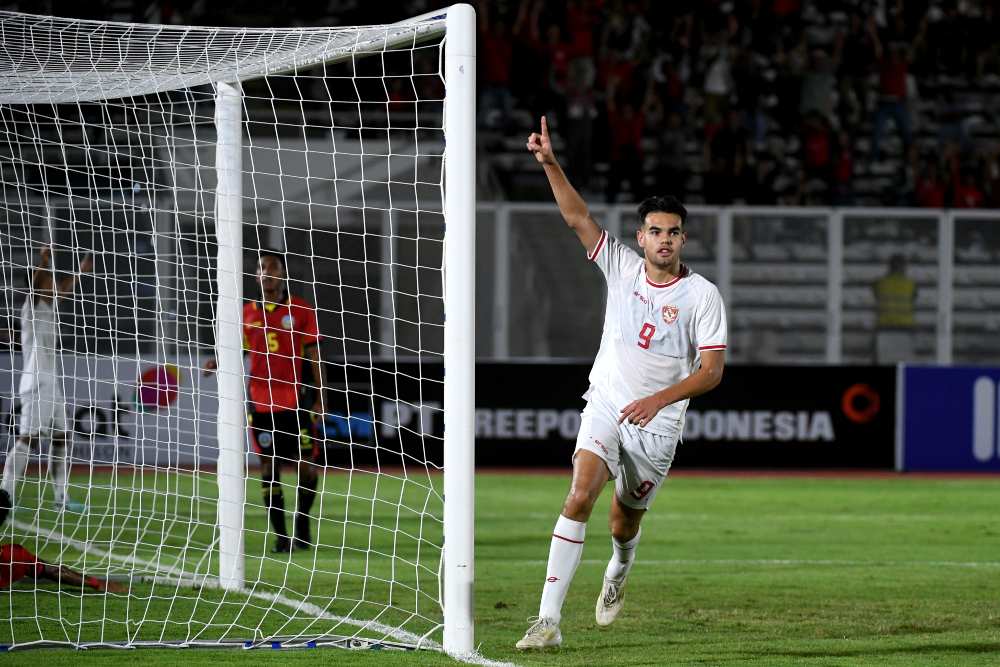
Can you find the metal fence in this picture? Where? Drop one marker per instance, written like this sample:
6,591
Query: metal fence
797,282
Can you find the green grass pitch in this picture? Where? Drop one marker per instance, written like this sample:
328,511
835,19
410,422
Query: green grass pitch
731,570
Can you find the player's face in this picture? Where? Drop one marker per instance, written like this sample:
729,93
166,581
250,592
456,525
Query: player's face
661,238
270,274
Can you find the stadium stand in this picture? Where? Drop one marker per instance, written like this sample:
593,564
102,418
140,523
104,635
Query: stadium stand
755,102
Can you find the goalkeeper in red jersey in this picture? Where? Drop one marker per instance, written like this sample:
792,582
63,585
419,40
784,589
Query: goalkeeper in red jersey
17,563
280,333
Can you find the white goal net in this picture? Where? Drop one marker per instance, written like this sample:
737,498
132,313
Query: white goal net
201,223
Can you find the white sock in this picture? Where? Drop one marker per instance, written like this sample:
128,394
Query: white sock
622,558
14,467
57,468
564,556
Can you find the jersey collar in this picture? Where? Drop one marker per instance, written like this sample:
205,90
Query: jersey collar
271,307
684,272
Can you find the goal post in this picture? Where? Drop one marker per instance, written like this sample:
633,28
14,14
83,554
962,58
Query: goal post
174,158
460,330
231,468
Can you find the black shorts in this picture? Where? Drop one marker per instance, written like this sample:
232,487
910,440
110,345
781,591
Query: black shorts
285,434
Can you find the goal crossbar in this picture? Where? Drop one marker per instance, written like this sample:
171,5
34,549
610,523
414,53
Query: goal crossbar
77,60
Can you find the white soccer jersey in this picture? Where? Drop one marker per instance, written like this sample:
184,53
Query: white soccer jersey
653,333
39,353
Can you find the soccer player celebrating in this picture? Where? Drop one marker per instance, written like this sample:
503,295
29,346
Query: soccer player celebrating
17,563
279,333
664,341
43,405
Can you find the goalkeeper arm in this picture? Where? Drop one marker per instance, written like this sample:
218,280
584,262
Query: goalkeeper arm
312,354
571,205
64,575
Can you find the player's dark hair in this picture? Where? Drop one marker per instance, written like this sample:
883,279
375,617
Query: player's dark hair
662,204
5,504
271,252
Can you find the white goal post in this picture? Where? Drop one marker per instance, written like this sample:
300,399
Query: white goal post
173,159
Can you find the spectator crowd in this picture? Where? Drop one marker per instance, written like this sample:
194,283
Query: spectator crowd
830,102
765,101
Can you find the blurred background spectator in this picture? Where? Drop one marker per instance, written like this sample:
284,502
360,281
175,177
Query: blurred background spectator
895,298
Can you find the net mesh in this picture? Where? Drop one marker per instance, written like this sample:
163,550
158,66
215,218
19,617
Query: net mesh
107,158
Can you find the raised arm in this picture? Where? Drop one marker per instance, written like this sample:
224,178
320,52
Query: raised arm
68,284
571,205
43,271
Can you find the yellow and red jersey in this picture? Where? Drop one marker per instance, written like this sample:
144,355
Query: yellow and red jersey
275,336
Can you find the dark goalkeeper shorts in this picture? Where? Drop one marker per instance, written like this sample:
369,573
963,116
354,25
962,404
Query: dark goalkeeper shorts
284,434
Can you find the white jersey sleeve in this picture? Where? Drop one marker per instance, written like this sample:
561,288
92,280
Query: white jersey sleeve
710,331
614,258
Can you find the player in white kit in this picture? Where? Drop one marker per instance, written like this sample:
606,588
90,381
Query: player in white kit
663,342
43,404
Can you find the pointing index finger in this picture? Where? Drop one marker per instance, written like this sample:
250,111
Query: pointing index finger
545,128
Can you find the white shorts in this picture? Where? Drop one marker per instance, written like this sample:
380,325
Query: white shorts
42,413
637,459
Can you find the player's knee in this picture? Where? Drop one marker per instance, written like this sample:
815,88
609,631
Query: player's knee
624,523
624,529
307,476
268,476
579,504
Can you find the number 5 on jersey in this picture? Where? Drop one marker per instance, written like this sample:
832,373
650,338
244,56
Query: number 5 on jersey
646,335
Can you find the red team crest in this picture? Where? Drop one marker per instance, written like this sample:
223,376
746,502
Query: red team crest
670,314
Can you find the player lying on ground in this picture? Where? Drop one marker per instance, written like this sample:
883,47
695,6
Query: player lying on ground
664,341
17,563
279,333
43,405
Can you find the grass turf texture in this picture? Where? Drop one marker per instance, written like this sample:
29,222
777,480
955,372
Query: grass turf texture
731,570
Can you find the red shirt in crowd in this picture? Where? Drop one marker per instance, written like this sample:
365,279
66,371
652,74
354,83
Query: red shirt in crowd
580,25
930,193
626,132
816,144
892,78
275,337
967,195
498,51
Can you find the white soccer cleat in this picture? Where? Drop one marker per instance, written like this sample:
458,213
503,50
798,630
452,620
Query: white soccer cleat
543,633
610,601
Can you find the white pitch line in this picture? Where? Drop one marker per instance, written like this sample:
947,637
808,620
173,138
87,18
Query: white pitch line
784,562
178,575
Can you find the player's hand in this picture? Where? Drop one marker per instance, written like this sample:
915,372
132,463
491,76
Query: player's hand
210,367
641,412
87,263
46,255
541,146
115,587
